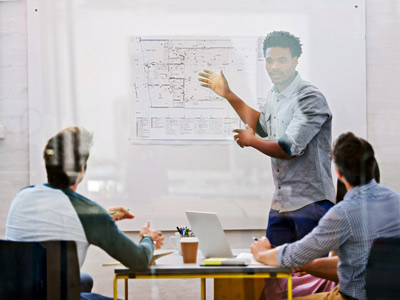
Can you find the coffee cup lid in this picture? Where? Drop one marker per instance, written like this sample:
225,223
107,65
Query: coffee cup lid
190,239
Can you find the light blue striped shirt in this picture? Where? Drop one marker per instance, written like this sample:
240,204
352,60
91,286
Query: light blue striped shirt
349,228
299,118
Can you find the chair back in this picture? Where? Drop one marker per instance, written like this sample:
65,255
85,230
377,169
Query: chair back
383,270
39,270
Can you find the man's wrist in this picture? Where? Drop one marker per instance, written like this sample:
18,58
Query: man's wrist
251,141
229,95
148,236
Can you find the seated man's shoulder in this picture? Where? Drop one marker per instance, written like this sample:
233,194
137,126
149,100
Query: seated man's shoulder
387,193
84,204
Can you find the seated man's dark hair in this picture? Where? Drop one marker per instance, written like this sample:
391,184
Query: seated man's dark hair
354,157
65,154
283,39
341,188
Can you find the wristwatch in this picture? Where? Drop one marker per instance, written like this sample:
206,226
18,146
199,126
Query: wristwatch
146,235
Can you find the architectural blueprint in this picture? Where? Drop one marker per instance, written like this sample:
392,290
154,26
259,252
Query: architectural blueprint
168,101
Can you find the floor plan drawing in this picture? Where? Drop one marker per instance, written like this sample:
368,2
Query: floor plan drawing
168,101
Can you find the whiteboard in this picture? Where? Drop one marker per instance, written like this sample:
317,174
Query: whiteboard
168,102
80,74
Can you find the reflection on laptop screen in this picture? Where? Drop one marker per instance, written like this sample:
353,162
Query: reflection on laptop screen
212,240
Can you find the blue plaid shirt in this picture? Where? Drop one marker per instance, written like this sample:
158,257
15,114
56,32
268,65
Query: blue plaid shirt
349,228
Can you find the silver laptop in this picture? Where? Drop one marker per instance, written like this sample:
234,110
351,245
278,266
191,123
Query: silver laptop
212,240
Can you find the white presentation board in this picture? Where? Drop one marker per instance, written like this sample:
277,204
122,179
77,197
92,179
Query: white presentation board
168,102
81,73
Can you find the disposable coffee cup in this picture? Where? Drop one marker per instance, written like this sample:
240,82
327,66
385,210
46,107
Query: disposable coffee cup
189,247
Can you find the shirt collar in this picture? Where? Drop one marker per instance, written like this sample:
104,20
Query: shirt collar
360,189
53,187
291,88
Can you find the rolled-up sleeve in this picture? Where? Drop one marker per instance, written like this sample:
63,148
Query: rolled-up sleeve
262,123
310,113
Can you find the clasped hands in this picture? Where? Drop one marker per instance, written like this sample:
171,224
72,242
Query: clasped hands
155,235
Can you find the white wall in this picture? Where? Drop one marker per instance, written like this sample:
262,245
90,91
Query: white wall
13,103
383,86
383,111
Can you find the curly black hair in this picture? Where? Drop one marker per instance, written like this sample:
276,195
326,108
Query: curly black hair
283,39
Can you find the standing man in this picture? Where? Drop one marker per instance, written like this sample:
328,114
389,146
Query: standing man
294,129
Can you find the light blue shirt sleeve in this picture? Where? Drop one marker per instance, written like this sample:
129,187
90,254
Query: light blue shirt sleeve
310,114
332,231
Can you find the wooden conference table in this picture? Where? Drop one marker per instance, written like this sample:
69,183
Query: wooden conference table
172,267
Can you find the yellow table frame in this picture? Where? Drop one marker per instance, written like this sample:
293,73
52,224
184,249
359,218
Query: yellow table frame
203,278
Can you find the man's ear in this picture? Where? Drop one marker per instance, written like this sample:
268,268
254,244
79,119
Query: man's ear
295,61
339,174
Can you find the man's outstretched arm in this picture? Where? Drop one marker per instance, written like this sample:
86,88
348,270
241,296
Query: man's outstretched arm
219,84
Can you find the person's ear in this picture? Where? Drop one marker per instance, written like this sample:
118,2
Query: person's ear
295,61
339,174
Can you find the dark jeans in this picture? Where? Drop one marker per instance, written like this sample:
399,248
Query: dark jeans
86,282
94,296
288,227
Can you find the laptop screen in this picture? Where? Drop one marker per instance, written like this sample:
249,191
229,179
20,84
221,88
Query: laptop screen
208,229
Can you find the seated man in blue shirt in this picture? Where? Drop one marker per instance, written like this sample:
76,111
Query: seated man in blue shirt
55,211
367,212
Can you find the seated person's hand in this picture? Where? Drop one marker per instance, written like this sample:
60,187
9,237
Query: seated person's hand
260,246
120,213
155,235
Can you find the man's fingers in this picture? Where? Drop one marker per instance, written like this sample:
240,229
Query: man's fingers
206,82
209,72
205,75
237,130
